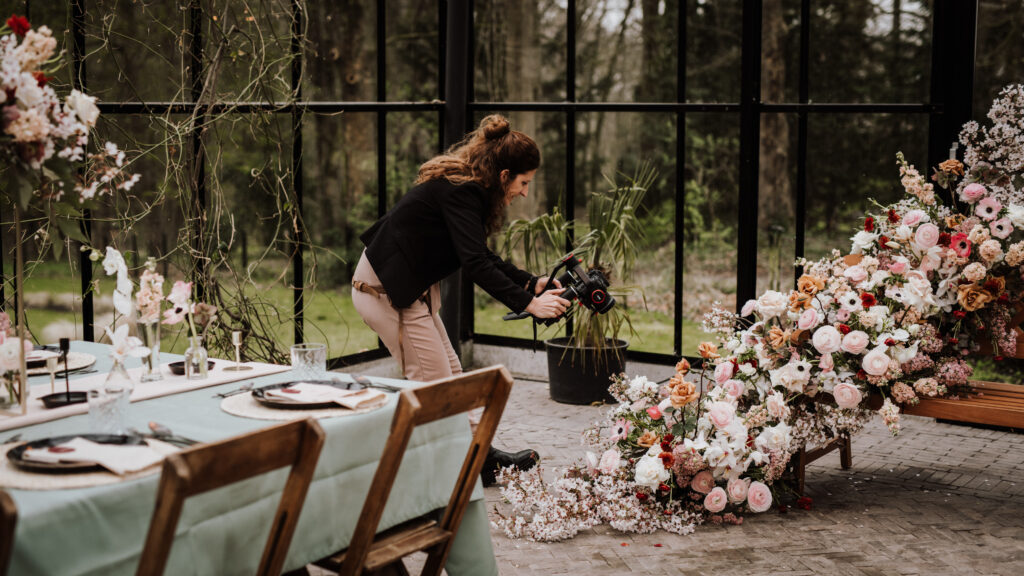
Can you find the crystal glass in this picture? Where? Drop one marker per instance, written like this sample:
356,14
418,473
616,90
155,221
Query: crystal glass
149,332
195,359
309,361
108,402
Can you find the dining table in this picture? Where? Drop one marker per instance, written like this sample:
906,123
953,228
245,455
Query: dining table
101,529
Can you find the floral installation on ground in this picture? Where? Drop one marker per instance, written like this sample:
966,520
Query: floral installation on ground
865,331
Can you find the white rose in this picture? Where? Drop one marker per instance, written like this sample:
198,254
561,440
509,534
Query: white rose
827,340
650,472
772,304
876,362
84,107
773,438
1015,212
862,241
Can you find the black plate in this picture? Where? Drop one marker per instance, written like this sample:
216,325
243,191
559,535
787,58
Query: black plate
179,367
58,399
17,454
259,394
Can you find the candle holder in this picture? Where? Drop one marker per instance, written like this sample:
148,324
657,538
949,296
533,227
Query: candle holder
236,340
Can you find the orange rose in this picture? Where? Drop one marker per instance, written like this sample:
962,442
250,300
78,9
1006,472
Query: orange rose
777,337
799,301
707,350
810,285
951,167
683,366
973,297
682,394
648,439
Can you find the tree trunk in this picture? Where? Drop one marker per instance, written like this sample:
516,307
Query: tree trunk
775,198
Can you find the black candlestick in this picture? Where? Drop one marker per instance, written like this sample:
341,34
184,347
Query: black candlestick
65,346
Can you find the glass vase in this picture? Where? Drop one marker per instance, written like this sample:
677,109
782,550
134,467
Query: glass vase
9,396
195,359
150,335
108,402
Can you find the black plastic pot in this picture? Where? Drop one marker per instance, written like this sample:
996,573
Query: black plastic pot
581,375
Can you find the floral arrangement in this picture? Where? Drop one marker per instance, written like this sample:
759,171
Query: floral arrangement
150,296
10,358
122,345
200,316
40,136
889,322
670,458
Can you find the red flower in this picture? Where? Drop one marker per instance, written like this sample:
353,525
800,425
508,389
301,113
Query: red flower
999,358
665,446
893,216
862,375
981,327
641,496
954,341
868,299
663,487
783,508
843,329
992,285
882,241
804,503
944,239
41,79
959,314
667,512
18,24
667,438
667,459
1004,297
869,224
890,342
961,245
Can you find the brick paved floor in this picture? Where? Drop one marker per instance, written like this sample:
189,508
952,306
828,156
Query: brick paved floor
938,499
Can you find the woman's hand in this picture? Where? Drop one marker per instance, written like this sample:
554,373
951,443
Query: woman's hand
543,281
548,304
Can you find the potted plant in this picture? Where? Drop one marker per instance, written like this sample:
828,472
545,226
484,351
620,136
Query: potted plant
580,365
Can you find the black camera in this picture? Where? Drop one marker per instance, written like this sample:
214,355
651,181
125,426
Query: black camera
590,288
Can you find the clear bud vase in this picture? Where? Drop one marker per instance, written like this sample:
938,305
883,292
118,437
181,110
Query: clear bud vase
195,359
150,333
108,402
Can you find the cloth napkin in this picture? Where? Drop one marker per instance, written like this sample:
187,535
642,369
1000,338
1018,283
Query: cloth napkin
118,458
319,394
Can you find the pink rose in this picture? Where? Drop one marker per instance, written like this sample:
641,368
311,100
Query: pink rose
856,274
654,412
748,308
913,218
988,209
826,363
876,362
973,192
737,489
759,497
724,371
734,388
610,461
827,339
808,320
927,235
898,267
847,395
716,500
855,342
721,414
703,482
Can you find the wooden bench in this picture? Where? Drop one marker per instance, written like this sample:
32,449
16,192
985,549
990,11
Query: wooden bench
984,403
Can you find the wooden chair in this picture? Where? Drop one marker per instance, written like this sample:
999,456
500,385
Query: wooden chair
203,468
8,520
369,552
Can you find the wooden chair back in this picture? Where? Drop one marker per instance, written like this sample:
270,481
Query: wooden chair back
8,520
488,388
203,468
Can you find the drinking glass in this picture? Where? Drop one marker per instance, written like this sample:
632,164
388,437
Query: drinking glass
309,361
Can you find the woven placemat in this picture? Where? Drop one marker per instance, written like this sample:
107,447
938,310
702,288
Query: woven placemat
76,361
245,406
13,477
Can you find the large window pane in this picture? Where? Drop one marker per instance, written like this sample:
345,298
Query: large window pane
519,50
851,159
248,49
134,49
412,50
780,51
776,203
870,51
341,51
1000,51
713,40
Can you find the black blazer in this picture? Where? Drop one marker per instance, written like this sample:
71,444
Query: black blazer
432,231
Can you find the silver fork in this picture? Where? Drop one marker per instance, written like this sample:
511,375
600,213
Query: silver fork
245,388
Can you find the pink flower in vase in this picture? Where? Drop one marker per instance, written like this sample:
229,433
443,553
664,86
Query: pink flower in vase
179,299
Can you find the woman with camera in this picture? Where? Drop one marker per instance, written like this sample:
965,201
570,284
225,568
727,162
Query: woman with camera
438,227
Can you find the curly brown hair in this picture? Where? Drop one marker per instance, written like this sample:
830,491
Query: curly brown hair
481,157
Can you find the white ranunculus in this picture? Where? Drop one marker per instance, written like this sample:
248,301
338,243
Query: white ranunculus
862,241
650,472
827,339
777,407
876,362
1015,212
773,438
84,107
772,304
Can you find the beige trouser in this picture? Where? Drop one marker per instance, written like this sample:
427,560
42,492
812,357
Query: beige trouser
415,335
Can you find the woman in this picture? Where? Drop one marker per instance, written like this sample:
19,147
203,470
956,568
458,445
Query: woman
441,225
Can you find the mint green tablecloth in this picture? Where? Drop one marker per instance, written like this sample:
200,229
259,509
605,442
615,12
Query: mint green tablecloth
101,530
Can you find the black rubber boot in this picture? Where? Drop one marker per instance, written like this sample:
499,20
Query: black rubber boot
523,460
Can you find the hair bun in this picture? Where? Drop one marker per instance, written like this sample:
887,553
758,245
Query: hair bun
494,126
